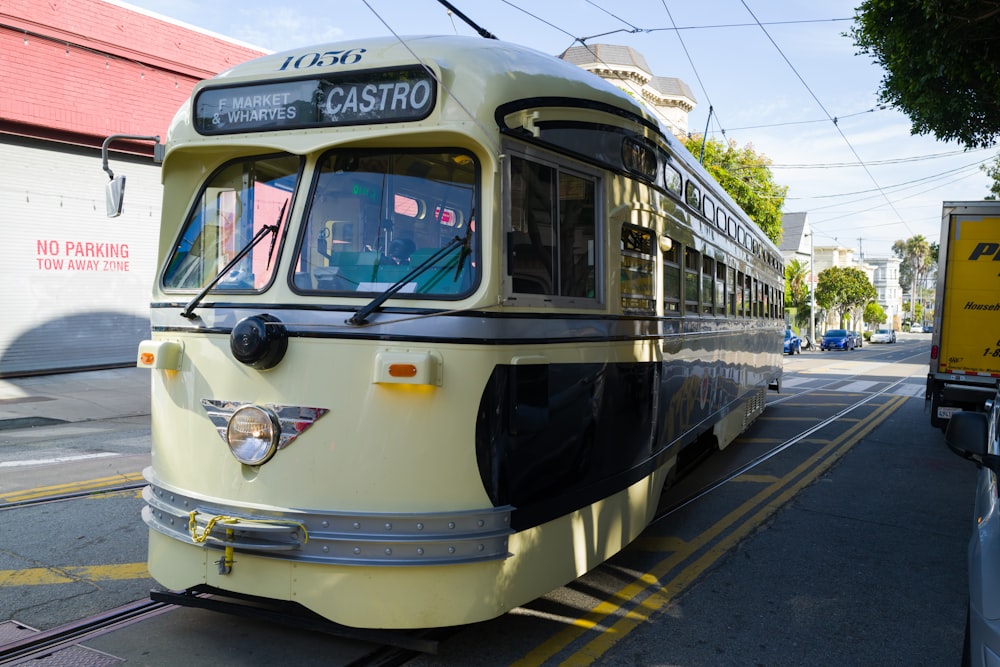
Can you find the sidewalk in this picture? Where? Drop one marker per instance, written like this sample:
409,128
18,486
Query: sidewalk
73,397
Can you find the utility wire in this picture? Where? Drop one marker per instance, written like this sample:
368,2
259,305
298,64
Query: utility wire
687,54
828,114
807,122
879,163
583,42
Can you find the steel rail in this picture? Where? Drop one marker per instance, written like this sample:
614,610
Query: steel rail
60,497
777,449
40,644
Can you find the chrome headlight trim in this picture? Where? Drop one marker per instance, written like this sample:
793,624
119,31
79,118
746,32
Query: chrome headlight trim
293,420
252,434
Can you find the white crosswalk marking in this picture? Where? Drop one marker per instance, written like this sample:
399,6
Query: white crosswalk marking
860,386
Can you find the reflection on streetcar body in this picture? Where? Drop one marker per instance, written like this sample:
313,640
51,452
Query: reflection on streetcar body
423,352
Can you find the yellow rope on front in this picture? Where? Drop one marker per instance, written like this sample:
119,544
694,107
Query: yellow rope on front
198,538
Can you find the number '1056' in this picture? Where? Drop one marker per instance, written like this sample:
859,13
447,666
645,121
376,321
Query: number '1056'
307,60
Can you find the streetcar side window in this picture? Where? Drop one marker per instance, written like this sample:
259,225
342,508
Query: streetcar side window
747,296
238,202
692,261
671,280
740,294
672,179
720,288
692,195
707,284
553,230
708,208
731,304
638,274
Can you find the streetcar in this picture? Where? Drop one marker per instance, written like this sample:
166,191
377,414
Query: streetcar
436,321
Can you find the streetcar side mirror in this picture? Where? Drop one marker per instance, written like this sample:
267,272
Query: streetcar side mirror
967,436
114,196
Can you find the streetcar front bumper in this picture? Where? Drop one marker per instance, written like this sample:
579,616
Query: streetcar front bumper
342,538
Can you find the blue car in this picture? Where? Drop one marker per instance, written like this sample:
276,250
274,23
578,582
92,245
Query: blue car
793,344
837,339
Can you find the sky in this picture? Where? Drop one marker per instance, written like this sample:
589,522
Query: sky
782,76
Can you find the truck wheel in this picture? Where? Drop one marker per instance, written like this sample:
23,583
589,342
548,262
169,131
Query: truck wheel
936,421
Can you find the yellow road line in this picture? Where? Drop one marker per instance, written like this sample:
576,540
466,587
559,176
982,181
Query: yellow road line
660,544
40,576
756,479
666,592
70,487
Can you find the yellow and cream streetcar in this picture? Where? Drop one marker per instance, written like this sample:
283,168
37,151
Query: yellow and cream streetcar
436,320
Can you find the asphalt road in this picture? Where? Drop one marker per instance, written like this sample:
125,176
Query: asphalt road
846,548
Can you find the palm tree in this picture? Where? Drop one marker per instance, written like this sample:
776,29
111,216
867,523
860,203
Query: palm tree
916,255
797,287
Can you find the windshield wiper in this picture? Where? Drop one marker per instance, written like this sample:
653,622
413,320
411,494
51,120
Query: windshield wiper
466,245
361,316
264,231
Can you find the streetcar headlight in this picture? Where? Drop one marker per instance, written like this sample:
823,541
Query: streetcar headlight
252,434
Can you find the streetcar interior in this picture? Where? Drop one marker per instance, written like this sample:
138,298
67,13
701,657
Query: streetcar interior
243,199
378,217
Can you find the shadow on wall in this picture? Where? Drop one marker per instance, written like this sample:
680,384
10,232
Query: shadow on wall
77,342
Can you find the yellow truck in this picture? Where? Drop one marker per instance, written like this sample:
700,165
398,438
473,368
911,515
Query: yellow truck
965,344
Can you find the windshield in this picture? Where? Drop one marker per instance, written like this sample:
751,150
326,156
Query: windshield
836,333
375,216
238,201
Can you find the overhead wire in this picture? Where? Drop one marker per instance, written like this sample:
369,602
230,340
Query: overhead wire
697,76
879,163
583,42
631,28
829,116
487,135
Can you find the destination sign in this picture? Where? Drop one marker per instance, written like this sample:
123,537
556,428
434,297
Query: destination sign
387,96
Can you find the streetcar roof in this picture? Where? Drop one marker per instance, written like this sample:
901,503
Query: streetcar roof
476,76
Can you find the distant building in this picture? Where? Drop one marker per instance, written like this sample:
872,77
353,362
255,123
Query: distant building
882,272
890,293
670,99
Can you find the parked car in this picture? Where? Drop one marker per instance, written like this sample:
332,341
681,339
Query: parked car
793,344
837,339
859,340
883,336
968,435
916,327
928,328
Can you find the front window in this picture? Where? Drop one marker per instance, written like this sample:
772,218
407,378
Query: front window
241,200
376,217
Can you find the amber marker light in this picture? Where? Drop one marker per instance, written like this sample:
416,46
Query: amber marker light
147,358
402,370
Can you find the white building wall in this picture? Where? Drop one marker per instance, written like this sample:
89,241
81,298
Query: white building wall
76,284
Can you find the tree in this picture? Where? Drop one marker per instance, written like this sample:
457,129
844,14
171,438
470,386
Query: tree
942,64
842,288
993,171
916,265
874,314
747,178
797,289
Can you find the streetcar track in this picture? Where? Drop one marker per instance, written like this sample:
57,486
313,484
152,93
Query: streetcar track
777,449
50,641
591,635
46,642
74,495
